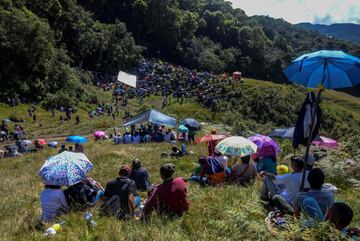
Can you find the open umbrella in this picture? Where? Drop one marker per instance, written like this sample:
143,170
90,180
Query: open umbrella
99,134
7,120
283,132
236,146
192,124
209,137
325,142
326,69
76,139
26,142
266,146
65,169
183,129
52,143
41,142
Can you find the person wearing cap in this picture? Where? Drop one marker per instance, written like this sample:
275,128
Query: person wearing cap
140,175
169,198
283,198
119,195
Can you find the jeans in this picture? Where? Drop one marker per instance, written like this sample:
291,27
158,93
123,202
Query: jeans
271,191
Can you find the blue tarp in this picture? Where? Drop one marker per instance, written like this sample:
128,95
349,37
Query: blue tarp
154,117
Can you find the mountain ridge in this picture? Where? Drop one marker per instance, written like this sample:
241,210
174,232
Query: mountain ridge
344,31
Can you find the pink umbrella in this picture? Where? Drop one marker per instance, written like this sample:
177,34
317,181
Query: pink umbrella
99,134
326,142
209,137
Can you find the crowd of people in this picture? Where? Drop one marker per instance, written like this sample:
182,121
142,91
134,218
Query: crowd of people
281,191
120,197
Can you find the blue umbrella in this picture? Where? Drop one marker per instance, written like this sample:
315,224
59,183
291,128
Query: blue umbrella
65,169
76,139
324,69
332,69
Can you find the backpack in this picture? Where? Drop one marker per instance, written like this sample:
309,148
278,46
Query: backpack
112,205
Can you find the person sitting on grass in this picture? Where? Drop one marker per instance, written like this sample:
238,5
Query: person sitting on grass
340,215
53,203
169,198
324,198
243,172
266,164
283,198
140,175
120,197
176,152
84,194
62,149
212,171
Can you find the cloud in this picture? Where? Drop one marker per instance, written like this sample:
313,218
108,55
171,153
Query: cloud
295,11
327,19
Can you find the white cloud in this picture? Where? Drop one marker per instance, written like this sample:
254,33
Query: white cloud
295,11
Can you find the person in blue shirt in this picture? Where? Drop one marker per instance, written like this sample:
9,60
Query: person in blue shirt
266,164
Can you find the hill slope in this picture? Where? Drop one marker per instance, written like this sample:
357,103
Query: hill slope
344,31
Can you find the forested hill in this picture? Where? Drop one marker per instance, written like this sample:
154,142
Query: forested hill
345,31
48,46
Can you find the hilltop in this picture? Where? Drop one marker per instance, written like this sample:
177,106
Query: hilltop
50,48
227,212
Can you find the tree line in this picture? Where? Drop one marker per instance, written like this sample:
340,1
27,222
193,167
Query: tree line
48,47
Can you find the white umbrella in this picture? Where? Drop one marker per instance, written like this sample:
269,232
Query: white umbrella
237,146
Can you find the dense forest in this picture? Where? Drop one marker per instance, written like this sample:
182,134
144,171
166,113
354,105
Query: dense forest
48,47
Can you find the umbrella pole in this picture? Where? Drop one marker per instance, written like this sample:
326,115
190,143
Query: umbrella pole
313,116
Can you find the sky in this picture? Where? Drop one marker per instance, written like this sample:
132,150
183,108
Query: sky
297,11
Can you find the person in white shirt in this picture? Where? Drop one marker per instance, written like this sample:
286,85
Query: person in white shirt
283,198
53,203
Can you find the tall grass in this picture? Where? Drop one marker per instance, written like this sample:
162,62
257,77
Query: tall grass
217,213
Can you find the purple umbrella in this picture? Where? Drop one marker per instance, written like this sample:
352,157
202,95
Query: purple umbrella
266,146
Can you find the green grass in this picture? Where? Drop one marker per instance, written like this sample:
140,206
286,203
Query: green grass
217,213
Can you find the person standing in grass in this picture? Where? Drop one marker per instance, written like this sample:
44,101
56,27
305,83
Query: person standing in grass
169,198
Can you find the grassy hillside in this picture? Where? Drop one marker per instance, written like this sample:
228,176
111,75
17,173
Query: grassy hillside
220,213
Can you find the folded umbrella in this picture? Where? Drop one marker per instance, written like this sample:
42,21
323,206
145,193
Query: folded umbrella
236,146
76,139
65,169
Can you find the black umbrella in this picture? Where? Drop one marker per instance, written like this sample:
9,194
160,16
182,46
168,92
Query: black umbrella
192,124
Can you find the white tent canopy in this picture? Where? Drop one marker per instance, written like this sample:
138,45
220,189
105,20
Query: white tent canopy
127,79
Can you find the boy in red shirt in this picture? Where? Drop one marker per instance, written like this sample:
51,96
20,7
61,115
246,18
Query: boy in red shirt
170,197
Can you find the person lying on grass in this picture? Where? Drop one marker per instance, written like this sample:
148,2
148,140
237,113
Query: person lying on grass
169,198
